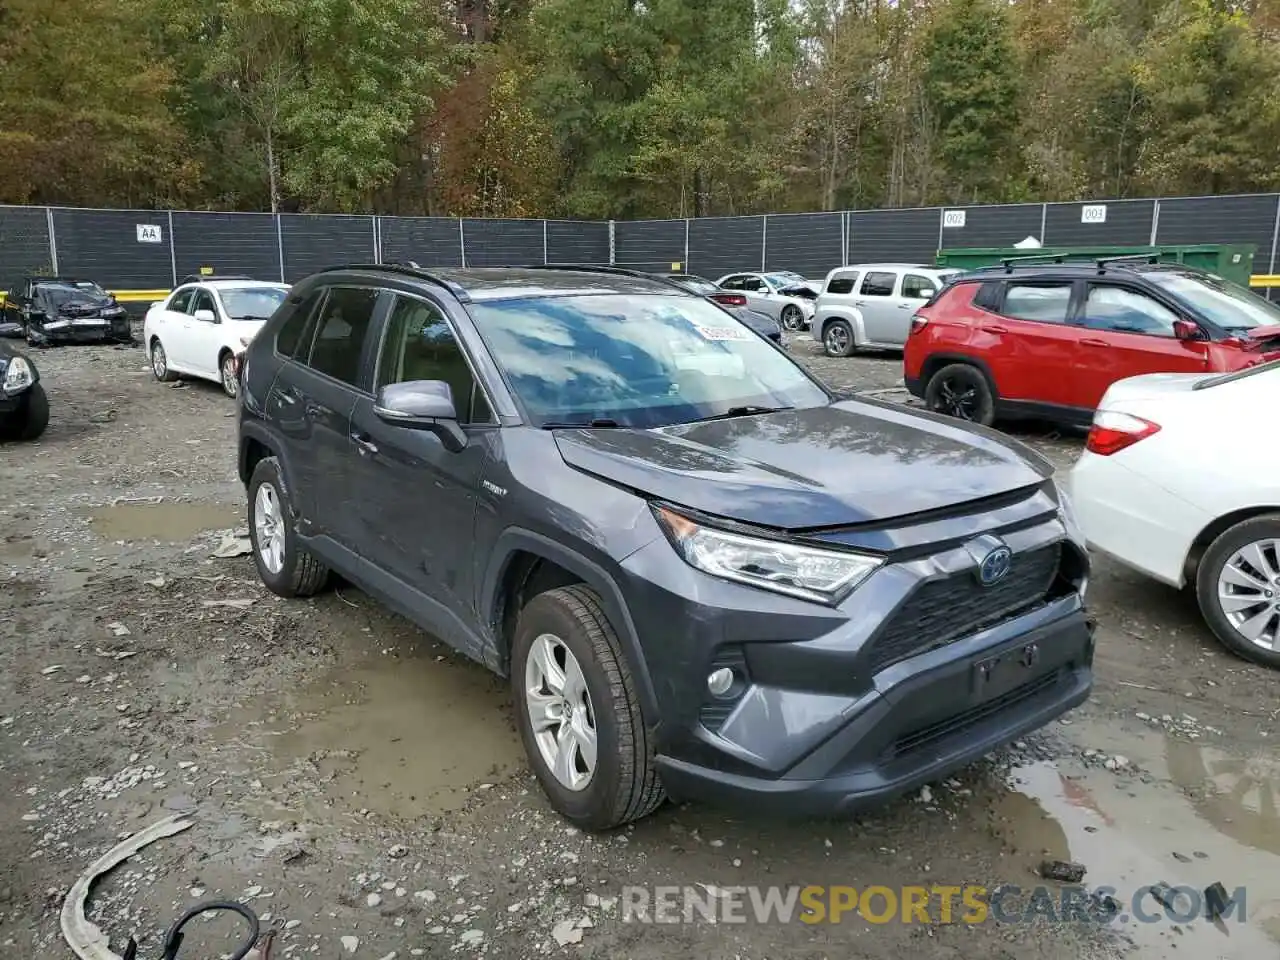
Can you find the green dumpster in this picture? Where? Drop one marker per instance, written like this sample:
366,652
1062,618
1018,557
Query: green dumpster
1232,261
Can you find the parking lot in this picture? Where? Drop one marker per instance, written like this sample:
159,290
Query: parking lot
364,785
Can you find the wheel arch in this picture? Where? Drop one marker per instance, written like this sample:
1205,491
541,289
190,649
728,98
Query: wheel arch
850,315
1203,540
523,564
936,361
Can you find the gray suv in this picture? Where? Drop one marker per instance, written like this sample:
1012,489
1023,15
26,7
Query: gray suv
704,574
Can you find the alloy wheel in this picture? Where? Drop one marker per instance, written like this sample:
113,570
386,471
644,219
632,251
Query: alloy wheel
268,522
791,318
1249,593
159,362
561,715
230,382
957,399
836,339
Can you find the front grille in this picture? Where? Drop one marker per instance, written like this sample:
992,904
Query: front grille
941,611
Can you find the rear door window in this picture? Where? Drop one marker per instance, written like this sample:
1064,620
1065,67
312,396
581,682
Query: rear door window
297,328
181,300
878,284
1041,302
341,331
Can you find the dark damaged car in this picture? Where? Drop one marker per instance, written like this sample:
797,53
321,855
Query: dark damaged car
704,575
24,408
54,310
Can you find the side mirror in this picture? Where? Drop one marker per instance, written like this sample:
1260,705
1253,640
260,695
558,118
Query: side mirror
1187,330
205,316
422,405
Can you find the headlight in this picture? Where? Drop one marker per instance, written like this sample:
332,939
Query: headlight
18,376
826,576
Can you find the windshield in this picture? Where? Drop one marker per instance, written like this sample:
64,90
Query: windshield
1232,307
785,279
639,361
60,293
251,303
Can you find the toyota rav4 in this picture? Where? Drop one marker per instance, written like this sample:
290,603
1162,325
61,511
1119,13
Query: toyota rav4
703,573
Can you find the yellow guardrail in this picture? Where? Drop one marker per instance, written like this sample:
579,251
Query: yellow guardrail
124,296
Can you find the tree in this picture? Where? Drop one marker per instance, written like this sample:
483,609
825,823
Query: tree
1212,90
971,79
87,108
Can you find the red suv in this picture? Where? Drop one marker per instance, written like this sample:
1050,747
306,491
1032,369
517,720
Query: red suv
1047,340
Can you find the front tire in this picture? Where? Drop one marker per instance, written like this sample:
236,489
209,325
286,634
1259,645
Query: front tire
286,567
30,422
578,713
1238,589
961,390
792,318
837,339
160,362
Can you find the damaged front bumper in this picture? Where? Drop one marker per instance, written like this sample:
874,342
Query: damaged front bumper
82,329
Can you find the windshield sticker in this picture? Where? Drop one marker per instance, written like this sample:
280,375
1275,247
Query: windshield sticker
723,333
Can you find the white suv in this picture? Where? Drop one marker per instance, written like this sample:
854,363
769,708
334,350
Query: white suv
871,305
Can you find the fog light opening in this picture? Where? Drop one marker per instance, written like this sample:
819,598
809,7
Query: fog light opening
720,682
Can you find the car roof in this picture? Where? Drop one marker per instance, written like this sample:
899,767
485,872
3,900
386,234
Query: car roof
480,284
892,266
236,284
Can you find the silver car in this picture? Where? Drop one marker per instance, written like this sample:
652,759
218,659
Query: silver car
871,305
787,297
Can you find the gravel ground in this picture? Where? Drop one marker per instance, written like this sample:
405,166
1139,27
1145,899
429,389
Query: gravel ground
363,787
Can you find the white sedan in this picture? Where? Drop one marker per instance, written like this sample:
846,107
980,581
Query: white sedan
1180,480
200,328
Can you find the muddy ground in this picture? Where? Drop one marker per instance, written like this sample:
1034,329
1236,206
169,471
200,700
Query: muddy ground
351,778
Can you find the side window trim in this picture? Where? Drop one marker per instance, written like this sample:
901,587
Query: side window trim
476,380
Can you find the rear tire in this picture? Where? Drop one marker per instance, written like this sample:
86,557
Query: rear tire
286,567
1234,577
622,784
837,339
961,390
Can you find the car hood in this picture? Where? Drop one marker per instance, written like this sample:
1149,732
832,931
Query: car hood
848,463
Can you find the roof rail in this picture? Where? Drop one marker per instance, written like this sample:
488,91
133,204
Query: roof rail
1104,262
615,271
409,269
1032,258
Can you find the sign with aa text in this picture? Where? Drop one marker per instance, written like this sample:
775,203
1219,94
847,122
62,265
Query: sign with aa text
149,233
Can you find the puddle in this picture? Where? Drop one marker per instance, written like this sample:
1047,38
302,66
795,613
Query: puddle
403,737
169,522
1126,832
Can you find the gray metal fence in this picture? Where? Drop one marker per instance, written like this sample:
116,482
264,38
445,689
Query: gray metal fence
150,249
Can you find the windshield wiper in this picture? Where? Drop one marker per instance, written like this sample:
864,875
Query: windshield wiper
250,316
599,423
747,410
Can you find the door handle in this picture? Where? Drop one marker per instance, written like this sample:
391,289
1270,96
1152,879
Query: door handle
994,328
287,397
364,444
1092,342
